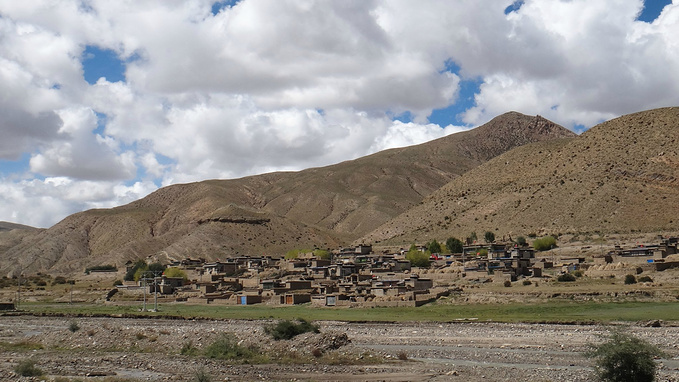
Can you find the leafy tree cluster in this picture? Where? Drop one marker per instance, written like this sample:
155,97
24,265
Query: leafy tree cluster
433,246
544,243
454,245
418,258
175,272
489,237
322,254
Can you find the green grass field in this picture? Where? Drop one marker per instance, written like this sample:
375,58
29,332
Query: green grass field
532,313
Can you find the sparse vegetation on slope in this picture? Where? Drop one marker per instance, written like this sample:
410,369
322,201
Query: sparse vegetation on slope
618,177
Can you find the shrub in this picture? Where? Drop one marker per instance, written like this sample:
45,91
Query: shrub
527,282
489,237
566,277
286,329
544,243
507,283
317,352
59,280
577,273
454,245
27,368
188,349
101,268
630,279
624,358
403,356
418,258
201,376
226,347
645,279
521,241
73,326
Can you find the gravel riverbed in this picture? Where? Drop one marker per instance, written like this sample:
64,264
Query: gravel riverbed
121,349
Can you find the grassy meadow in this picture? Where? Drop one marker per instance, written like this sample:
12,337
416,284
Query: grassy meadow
553,312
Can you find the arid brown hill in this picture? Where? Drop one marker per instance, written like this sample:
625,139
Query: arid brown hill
273,213
620,176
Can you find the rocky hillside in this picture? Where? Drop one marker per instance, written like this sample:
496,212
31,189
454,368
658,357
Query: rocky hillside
273,213
620,176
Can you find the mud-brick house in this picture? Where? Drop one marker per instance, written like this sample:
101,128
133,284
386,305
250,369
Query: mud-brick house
342,270
297,284
295,298
522,253
220,268
249,299
418,284
295,266
169,284
400,265
328,287
363,249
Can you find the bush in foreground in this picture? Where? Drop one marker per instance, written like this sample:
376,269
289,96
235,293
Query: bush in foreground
624,358
286,329
226,347
27,368
566,277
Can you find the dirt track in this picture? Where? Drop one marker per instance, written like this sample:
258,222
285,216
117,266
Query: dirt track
145,349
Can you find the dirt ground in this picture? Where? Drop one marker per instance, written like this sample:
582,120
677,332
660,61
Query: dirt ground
117,349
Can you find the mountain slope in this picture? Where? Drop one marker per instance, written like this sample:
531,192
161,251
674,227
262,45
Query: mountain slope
620,176
272,213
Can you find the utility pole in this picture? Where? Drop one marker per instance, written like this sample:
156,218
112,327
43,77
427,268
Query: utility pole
19,291
143,282
153,276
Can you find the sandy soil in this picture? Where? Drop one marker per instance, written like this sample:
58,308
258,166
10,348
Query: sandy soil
113,349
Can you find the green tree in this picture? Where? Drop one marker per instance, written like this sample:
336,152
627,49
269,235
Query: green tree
418,258
433,246
130,275
454,245
175,272
521,241
156,268
624,358
322,254
489,237
544,243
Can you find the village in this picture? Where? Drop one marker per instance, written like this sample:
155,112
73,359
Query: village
358,276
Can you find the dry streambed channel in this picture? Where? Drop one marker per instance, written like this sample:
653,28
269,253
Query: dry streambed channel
122,349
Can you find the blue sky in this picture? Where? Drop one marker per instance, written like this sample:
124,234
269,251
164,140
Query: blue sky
105,102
